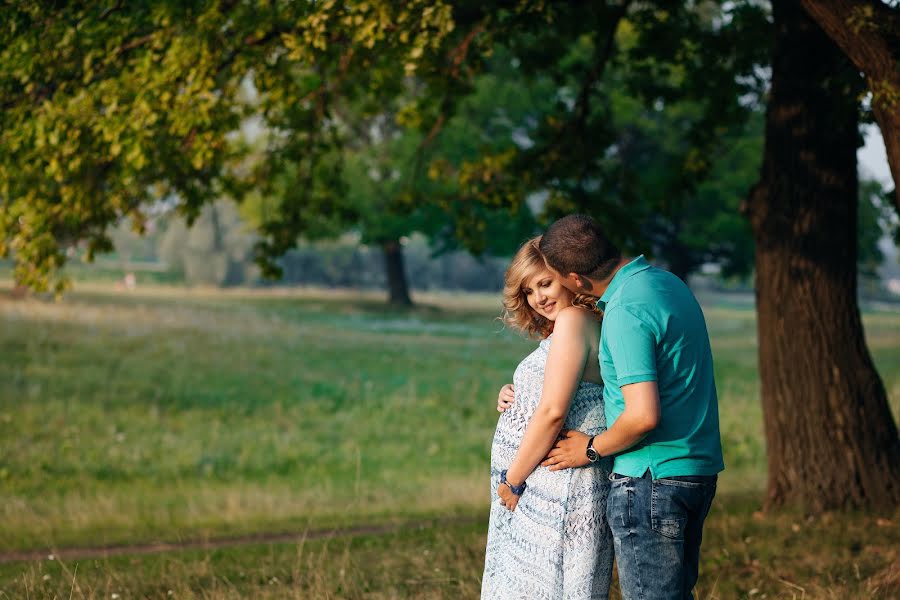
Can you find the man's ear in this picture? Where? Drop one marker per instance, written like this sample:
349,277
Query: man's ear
580,282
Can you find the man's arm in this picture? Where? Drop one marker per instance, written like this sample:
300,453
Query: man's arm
640,417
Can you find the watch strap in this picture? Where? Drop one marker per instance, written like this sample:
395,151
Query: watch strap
592,454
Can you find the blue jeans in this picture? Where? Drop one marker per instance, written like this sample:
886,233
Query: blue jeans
657,526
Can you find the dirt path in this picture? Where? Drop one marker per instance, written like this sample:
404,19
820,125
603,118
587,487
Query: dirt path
85,552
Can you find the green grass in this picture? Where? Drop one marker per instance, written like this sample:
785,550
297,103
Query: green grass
159,418
166,414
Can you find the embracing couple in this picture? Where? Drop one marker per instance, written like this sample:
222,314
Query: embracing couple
609,439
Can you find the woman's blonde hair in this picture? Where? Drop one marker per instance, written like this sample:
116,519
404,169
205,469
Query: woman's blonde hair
527,261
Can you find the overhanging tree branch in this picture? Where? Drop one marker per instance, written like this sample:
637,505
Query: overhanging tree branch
868,32
457,56
596,71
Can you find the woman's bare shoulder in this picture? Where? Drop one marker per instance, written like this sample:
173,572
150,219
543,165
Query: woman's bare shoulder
576,317
577,313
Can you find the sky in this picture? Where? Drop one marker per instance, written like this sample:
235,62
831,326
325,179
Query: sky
873,162
873,158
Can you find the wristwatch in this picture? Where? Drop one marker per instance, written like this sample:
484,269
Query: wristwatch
515,489
592,454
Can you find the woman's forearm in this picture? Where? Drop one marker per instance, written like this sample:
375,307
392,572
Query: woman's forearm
540,435
562,374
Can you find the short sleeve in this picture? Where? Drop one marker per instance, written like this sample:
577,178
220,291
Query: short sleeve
631,342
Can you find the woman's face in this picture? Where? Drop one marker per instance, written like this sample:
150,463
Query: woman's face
545,295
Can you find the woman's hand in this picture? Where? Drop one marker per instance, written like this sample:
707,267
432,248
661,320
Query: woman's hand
569,452
507,498
506,397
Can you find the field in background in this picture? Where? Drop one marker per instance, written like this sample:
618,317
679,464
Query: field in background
165,414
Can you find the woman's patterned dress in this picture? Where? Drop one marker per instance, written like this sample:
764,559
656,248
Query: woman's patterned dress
556,544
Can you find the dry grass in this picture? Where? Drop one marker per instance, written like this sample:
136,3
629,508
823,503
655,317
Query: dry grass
746,555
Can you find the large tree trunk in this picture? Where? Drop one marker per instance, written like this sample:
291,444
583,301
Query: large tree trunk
868,31
831,439
398,290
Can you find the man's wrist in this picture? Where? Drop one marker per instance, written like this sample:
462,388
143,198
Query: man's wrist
592,454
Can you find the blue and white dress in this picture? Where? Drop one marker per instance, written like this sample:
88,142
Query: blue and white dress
556,544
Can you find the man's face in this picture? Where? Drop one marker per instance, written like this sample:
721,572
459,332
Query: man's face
571,282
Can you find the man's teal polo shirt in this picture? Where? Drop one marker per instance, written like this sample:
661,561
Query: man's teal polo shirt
653,330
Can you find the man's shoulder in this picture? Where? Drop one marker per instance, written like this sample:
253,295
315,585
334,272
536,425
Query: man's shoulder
661,277
647,285
652,296
640,287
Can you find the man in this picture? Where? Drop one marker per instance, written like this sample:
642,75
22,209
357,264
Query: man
661,407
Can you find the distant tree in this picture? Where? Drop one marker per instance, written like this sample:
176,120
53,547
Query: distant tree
378,181
607,113
131,245
381,176
216,250
688,224
875,212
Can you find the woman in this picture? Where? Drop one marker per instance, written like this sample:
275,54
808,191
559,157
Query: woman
551,540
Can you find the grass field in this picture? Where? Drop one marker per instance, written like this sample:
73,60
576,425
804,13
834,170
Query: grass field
166,415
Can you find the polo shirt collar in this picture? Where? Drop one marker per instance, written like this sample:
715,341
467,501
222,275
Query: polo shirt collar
635,266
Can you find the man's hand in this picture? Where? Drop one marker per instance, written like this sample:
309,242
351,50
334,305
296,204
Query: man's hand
507,498
506,397
570,451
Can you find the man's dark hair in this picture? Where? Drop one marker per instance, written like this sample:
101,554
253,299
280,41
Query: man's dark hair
577,244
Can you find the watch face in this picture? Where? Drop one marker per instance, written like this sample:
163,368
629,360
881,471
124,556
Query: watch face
592,454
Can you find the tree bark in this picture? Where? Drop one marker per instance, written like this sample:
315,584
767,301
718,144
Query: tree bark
831,439
398,290
868,31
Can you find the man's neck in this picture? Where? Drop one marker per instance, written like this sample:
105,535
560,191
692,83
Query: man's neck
600,286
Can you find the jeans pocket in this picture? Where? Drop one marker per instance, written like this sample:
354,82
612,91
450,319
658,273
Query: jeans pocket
615,479
668,510
619,506
682,483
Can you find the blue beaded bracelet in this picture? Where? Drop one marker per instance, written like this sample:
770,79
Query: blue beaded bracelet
515,489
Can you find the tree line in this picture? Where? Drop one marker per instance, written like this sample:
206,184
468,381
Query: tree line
217,250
